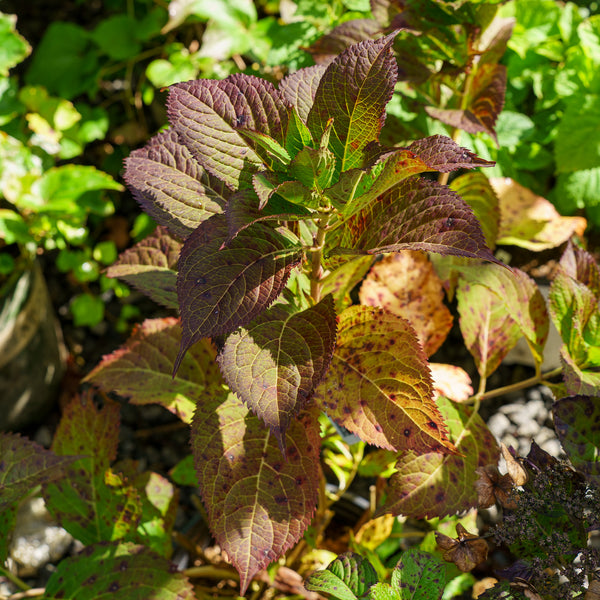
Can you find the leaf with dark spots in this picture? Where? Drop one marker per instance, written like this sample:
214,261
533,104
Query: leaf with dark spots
241,472
378,385
274,363
577,424
120,572
417,214
151,267
417,570
443,154
348,577
206,114
92,503
171,186
431,484
299,89
142,369
341,37
354,90
466,551
223,288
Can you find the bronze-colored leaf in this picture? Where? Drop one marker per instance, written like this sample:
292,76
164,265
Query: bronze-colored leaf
492,487
515,469
466,551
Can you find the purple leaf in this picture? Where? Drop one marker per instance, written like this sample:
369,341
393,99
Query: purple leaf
151,267
222,287
206,114
354,90
274,363
441,153
299,89
258,504
417,214
171,186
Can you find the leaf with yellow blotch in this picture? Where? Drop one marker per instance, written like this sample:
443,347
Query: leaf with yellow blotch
407,285
466,551
530,221
451,382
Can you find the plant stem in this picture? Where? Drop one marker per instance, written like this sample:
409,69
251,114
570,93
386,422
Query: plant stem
514,387
211,572
14,579
316,255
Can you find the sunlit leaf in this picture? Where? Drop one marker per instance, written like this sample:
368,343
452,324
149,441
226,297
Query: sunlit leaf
451,381
418,576
299,89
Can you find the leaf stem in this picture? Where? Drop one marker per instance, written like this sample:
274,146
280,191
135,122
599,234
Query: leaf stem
316,255
14,579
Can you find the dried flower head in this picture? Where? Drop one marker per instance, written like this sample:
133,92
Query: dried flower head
492,487
466,551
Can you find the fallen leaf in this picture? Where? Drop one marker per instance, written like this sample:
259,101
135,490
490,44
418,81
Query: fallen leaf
530,221
466,551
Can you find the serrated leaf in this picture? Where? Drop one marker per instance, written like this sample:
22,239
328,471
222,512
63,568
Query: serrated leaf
206,114
577,424
314,168
269,145
258,504
299,89
406,285
517,299
298,135
341,280
91,502
378,385
151,267
223,288
476,190
266,184
417,215
577,380
418,576
530,221
443,154
434,485
354,90
581,266
171,186
275,362
118,571
348,577
142,369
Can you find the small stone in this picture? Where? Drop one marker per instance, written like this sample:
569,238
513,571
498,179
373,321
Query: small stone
552,447
499,424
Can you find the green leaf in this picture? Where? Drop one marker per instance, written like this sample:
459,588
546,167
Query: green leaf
87,310
418,576
118,571
13,47
92,503
117,37
258,504
297,135
354,90
267,183
348,577
272,147
184,473
151,267
341,280
313,168
274,363
378,385
142,368
431,484
224,285
576,420
171,186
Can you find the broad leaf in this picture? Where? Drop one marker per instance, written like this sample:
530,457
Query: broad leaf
417,215
142,370
434,485
314,168
348,577
576,420
266,184
223,288
274,363
354,90
23,466
171,186
118,571
92,503
418,576
206,114
581,266
406,285
151,267
341,280
378,385
299,89
258,504
451,381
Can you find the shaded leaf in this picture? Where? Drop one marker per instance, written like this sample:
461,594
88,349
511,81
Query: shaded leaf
151,267
299,89
530,221
206,113
466,551
348,577
451,382
119,571
142,369
431,484
274,363
514,467
341,280
171,186
258,504
222,288
406,285
581,266
577,424
314,168
417,215
492,487
354,90
378,385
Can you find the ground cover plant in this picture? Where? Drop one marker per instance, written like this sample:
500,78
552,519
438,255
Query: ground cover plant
298,249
